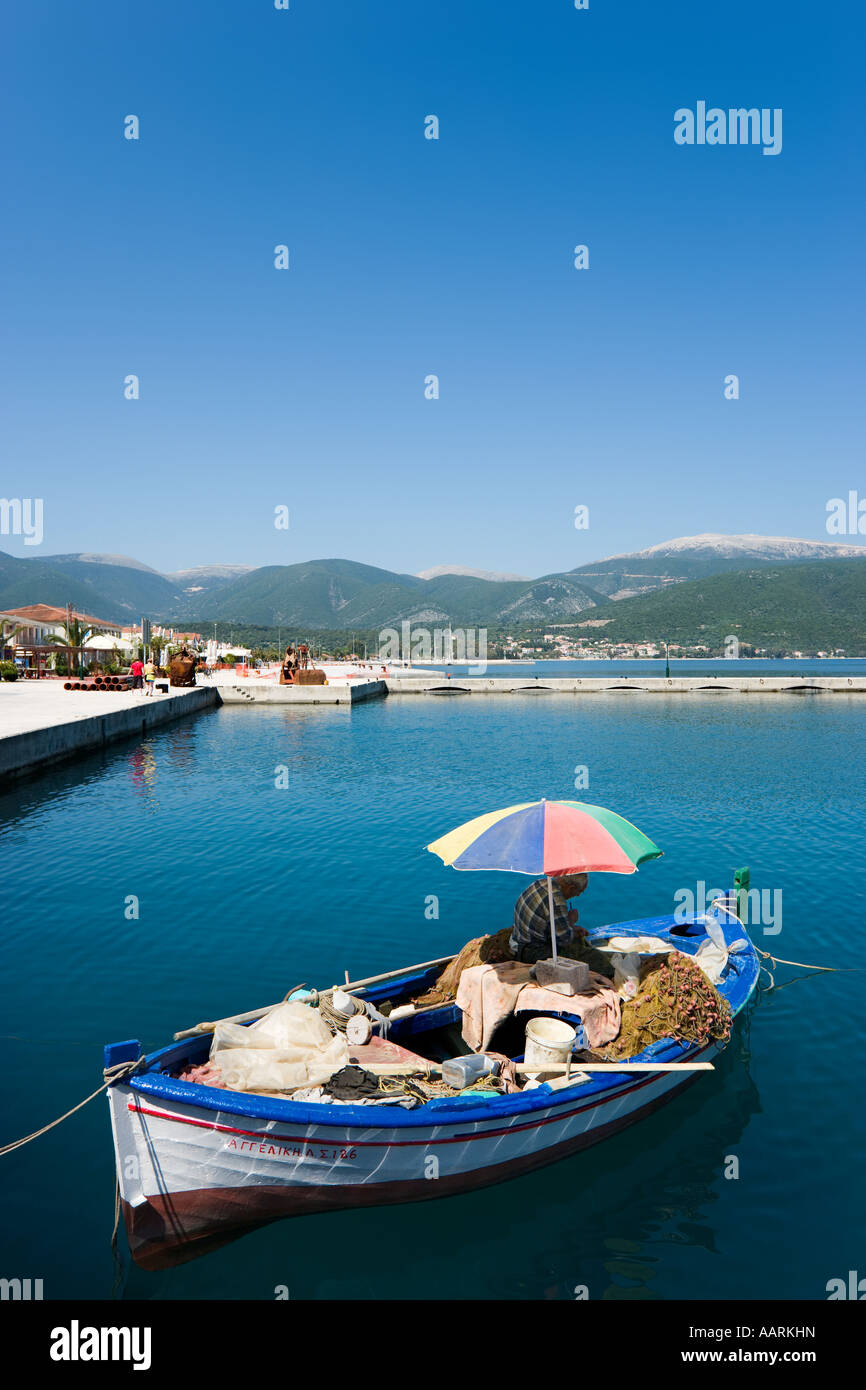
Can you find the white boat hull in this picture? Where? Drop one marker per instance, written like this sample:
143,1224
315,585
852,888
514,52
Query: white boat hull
192,1178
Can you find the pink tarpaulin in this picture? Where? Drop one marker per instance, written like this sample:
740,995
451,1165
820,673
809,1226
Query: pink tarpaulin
488,994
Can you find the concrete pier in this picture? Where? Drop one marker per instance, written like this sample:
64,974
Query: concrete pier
247,692
41,723
626,685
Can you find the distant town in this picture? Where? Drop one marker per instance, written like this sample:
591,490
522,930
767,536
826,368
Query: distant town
41,639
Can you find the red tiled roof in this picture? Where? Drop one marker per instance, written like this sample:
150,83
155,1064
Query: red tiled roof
45,613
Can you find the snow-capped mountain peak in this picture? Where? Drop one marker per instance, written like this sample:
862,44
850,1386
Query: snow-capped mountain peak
749,547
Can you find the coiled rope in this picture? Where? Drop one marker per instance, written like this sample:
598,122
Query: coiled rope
334,1019
337,1022
112,1074
424,1086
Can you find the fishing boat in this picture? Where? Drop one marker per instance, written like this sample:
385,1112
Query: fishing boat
198,1166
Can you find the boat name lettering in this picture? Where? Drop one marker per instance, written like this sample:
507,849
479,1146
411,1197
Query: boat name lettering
330,1151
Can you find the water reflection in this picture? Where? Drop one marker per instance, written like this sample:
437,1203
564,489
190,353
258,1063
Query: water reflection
143,773
618,1209
180,747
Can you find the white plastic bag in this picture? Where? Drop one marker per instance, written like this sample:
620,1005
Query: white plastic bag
231,1035
712,959
626,973
291,1046
714,931
644,945
247,1069
291,1026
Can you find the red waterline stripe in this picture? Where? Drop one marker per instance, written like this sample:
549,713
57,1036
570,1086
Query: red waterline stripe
266,1136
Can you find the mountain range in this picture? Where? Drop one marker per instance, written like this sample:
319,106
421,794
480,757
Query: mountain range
336,593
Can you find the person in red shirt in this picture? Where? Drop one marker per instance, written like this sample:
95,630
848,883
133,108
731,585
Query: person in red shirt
136,670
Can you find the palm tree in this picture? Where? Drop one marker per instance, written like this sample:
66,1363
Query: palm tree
73,633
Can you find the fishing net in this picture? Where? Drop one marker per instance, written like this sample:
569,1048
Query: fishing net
482,950
674,1000
491,950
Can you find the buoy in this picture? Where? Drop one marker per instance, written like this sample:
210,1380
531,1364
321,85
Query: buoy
343,1003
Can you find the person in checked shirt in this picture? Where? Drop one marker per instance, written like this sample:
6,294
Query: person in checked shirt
530,938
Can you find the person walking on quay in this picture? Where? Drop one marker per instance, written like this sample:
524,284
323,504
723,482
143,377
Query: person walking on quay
136,670
149,676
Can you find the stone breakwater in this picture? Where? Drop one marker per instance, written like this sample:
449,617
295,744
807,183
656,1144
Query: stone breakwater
630,685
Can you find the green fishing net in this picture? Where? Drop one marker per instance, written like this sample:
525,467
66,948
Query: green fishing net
674,1000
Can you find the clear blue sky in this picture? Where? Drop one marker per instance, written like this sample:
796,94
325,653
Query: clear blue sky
306,388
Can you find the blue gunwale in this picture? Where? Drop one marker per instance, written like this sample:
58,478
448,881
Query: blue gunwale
737,986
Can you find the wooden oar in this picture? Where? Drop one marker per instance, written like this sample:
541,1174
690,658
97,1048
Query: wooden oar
613,1066
394,974
253,1014
538,1068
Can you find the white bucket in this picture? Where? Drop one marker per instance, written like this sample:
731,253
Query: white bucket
548,1040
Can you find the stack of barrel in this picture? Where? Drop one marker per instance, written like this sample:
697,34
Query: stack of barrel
98,683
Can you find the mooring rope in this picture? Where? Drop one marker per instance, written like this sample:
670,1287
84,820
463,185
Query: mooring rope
777,960
117,1210
831,969
112,1074
117,1283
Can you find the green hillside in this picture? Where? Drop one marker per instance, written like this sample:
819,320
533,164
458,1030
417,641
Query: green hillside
803,607
345,594
655,572
320,593
25,582
129,591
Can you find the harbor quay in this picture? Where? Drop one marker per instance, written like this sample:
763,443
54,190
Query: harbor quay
42,723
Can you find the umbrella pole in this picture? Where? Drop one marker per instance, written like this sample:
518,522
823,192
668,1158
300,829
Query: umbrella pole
552,916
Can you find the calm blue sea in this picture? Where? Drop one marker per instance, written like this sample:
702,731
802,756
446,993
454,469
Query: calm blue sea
245,890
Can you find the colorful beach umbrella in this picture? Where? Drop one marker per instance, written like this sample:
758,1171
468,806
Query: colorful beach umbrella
551,838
